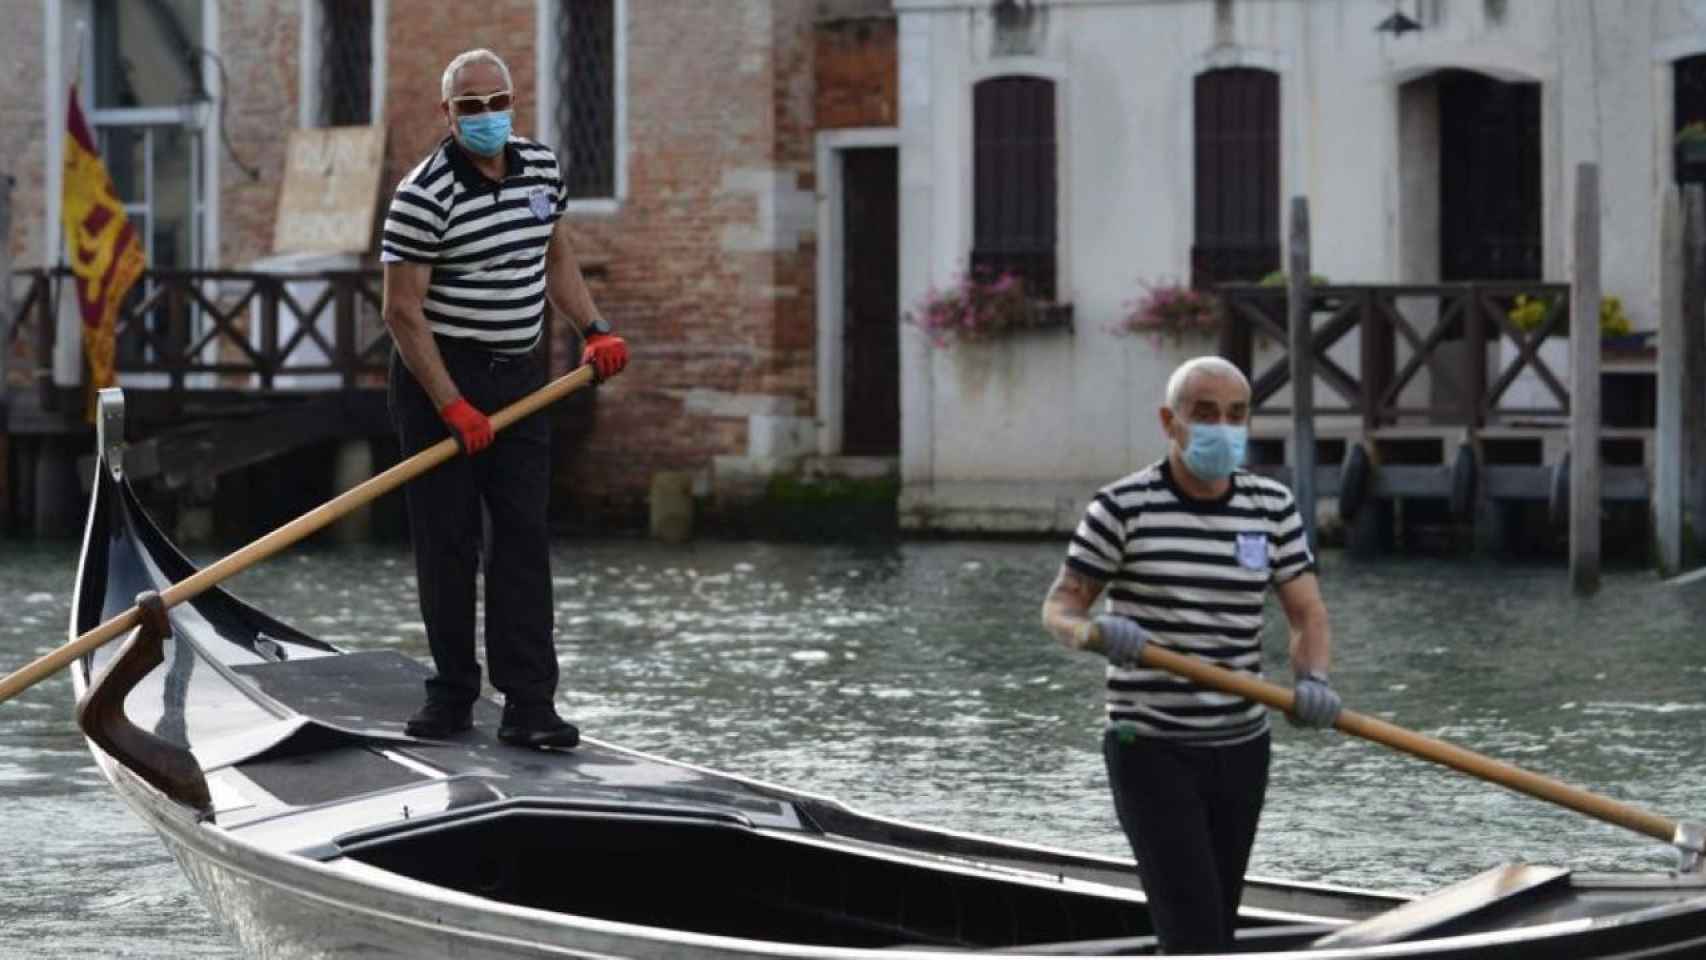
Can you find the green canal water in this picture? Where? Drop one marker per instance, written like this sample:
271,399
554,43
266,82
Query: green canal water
911,680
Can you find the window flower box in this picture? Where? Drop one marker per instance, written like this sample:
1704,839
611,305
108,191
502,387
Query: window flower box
1167,309
975,308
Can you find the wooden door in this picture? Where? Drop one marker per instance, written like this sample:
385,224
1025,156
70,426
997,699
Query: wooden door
1489,188
871,302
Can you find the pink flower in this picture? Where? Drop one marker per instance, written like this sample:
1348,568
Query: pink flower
970,307
1167,307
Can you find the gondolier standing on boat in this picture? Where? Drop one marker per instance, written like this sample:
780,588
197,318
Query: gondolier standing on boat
476,251
1186,549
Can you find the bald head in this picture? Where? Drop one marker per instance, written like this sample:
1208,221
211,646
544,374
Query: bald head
1198,373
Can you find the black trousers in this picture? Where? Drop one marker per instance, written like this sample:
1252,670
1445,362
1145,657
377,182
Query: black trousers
1190,814
509,482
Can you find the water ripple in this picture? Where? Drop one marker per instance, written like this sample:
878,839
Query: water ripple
911,680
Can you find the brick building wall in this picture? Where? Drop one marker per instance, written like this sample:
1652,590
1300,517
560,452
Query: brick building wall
259,43
419,44
21,129
709,259
857,74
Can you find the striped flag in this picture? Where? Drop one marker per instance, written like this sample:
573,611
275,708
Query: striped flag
106,254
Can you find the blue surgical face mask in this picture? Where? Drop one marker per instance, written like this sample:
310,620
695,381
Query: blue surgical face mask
1215,449
484,133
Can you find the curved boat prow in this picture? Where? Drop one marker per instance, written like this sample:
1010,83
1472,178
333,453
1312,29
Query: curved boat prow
171,769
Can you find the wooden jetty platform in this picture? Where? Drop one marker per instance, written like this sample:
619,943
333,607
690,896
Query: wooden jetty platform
222,369
1434,394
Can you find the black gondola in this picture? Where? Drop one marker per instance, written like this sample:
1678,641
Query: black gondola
274,768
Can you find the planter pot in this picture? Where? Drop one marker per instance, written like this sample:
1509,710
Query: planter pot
1528,390
1045,315
1628,342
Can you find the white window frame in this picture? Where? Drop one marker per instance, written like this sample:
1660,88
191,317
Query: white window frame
545,74
309,115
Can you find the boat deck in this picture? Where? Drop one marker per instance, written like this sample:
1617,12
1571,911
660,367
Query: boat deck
375,692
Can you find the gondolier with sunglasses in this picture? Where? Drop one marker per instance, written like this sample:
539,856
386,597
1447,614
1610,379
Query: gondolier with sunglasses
1186,549
476,253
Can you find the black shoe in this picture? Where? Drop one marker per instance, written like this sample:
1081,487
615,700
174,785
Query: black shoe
537,726
440,721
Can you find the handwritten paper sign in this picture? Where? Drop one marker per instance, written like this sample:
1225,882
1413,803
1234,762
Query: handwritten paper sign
331,185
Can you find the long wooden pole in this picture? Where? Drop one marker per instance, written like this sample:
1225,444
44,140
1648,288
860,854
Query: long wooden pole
1299,313
1467,761
1668,434
1584,386
7,323
1692,344
284,536
5,287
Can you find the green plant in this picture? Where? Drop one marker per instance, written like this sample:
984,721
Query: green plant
1527,313
1613,322
1279,278
1692,132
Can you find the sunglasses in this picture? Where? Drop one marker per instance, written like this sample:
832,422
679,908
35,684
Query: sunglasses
481,103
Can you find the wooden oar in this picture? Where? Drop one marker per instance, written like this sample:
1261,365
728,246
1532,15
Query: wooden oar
288,534
1438,751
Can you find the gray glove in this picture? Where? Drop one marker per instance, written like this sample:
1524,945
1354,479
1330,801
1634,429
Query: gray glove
1122,639
1316,705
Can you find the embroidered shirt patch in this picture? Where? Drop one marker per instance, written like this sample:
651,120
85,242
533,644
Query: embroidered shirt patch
540,202
1253,551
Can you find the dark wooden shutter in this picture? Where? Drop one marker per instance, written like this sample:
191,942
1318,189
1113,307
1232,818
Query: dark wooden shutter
1237,176
1014,181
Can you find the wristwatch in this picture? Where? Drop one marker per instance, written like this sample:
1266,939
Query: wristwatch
599,326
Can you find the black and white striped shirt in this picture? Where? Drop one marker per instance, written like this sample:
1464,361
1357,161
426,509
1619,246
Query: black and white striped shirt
1194,574
484,240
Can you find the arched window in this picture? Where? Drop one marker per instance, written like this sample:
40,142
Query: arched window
1014,181
1237,176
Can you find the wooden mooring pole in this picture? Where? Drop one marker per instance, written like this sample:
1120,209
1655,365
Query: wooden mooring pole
5,286
1584,385
1672,375
1690,345
6,321
1299,314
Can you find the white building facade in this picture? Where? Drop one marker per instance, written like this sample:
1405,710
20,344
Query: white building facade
1178,133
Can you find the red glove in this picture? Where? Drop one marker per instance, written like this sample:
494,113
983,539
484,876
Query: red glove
472,430
607,353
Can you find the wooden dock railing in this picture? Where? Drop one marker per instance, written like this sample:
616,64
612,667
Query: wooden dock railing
231,327
1420,318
